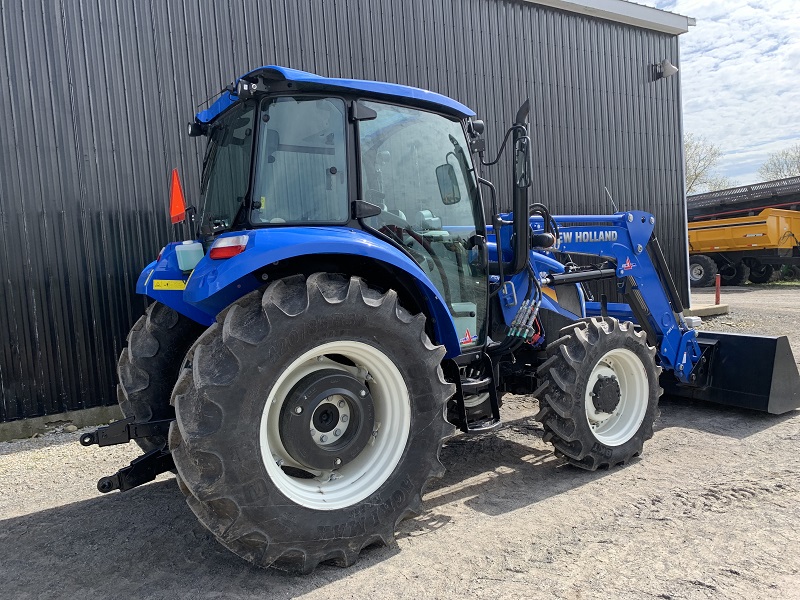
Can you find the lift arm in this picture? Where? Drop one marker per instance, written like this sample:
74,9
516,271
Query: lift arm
636,261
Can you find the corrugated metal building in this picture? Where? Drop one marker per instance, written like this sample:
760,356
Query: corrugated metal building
95,95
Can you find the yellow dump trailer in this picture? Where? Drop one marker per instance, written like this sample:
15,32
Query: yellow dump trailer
743,247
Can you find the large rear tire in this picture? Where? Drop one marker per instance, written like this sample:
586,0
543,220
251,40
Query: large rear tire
309,419
702,270
599,393
149,365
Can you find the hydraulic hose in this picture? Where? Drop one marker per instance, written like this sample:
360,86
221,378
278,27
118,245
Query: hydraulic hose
521,328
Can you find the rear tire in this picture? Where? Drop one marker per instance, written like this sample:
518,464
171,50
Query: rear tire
599,393
252,441
702,270
148,367
734,274
761,273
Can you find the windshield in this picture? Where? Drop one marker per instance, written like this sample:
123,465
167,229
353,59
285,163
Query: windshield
302,163
414,168
226,168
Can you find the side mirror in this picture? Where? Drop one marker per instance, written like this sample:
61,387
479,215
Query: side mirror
523,166
475,128
448,184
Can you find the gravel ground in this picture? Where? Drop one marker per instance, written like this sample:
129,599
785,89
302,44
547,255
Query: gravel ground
709,511
768,310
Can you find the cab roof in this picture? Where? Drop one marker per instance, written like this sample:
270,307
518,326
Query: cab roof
309,82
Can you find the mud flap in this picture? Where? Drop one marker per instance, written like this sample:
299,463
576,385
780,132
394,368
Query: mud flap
747,371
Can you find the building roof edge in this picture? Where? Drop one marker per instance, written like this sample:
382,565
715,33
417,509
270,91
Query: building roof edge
626,12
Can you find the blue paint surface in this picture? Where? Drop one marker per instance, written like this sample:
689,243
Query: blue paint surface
311,80
215,284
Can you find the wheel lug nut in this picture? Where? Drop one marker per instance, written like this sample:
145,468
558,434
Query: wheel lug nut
298,410
341,403
362,393
323,438
313,432
337,433
344,418
337,461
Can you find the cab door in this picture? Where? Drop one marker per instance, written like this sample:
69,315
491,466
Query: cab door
414,166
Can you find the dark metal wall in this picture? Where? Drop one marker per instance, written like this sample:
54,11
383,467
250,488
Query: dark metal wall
95,95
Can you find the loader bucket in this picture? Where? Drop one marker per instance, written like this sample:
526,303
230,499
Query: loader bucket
748,371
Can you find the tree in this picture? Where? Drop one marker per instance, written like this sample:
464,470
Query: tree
702,158
780,164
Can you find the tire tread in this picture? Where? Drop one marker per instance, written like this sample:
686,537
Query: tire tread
205,486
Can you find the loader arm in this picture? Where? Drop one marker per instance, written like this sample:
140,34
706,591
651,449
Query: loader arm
635,260
705,365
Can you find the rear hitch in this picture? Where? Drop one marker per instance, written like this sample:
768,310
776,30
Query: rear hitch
122,432
141,470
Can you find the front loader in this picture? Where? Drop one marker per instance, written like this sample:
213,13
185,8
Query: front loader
340,306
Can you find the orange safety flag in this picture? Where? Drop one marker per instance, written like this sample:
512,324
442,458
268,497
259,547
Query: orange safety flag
177,203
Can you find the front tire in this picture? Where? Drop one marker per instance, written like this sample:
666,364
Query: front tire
268,461
599,393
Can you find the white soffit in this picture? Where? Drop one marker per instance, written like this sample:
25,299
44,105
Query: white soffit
629,13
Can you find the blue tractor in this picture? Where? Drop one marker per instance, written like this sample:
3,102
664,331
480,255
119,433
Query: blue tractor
341,306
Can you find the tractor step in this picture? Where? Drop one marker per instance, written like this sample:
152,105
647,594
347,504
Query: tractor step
482,426
141,470
122,432
470,386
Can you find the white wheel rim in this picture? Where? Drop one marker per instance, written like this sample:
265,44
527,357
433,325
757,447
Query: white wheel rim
362,476
697,272
619,426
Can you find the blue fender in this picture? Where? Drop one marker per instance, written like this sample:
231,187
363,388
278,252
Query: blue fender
215,284
164,282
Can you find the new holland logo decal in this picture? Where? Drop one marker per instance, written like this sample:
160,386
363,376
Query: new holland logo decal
628,265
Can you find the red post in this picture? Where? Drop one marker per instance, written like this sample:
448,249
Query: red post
717,282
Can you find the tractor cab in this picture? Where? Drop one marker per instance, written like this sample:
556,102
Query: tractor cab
317,153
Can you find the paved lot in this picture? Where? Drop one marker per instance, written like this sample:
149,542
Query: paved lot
709,511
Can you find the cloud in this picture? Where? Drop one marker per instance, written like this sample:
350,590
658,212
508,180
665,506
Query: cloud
740,74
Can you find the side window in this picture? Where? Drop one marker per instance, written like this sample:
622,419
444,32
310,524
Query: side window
226,172
400,152
302,162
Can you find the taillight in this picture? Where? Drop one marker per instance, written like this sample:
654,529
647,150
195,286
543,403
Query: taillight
227,247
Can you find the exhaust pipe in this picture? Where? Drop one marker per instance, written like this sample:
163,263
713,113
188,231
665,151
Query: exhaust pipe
747,371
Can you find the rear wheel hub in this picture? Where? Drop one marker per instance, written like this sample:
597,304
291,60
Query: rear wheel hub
327,419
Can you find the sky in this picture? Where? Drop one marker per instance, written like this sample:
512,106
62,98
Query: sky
740,78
